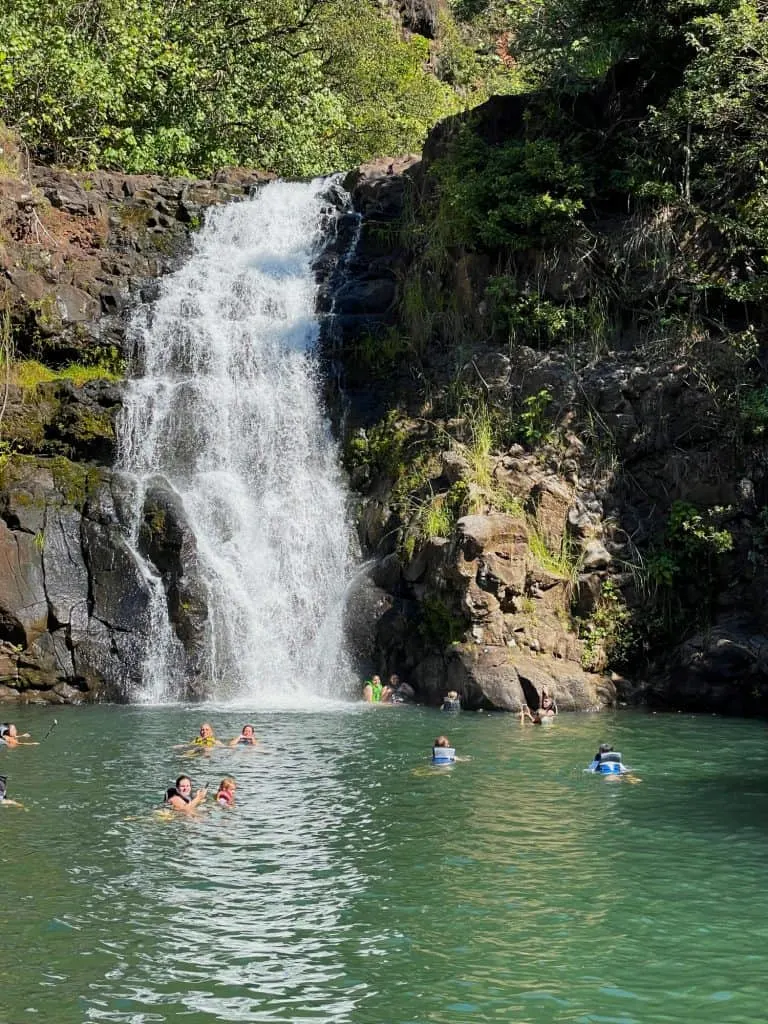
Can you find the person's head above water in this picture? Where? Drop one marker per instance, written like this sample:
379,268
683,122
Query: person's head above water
247,732
206,730
442,741
605,748
8,729
226,791
183,785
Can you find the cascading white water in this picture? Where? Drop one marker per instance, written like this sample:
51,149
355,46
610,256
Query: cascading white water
228,413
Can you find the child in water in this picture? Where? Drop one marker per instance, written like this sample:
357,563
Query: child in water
225,796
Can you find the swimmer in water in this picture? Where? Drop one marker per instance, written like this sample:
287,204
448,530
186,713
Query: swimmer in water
225,796
11,737
442,751
246,738
205,738
179,795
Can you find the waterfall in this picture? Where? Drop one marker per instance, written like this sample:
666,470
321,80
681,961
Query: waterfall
226,415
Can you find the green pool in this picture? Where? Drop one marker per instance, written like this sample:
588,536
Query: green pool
354,883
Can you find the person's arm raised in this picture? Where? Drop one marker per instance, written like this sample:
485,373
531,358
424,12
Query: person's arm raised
199,797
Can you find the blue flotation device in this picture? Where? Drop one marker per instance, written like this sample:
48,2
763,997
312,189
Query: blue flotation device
608,764
443,755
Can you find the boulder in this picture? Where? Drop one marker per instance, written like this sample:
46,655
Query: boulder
723,669
502,678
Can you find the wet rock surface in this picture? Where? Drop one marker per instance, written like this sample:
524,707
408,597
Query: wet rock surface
77,253
635,429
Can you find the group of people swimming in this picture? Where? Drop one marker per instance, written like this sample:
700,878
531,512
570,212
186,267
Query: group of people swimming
178,797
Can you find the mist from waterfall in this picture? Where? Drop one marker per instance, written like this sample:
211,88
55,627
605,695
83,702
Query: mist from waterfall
227,411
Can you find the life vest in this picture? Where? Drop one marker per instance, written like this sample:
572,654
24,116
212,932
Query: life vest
246,741
608,763
204,741
443,755
376,691
172,791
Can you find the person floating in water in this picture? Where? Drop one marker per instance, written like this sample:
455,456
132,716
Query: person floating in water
442,751
11,737
204,738
179,795
5,801
225,795
607,761
247,738
375,692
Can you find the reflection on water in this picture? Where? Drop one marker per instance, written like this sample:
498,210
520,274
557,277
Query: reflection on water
352,885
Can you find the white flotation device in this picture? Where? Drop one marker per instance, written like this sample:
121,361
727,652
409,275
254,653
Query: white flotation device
443,755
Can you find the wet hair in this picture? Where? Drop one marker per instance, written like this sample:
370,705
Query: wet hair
181,779
227,783
605,748
251,727
442,741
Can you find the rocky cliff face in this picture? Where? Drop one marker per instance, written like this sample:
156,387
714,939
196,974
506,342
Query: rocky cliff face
546,506
76,253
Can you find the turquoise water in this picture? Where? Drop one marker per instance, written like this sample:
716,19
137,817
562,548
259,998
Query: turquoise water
354,883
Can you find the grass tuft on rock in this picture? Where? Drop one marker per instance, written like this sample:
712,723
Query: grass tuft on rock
29,373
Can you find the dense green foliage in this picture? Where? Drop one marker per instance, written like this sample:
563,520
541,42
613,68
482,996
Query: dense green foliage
295,86
654,114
